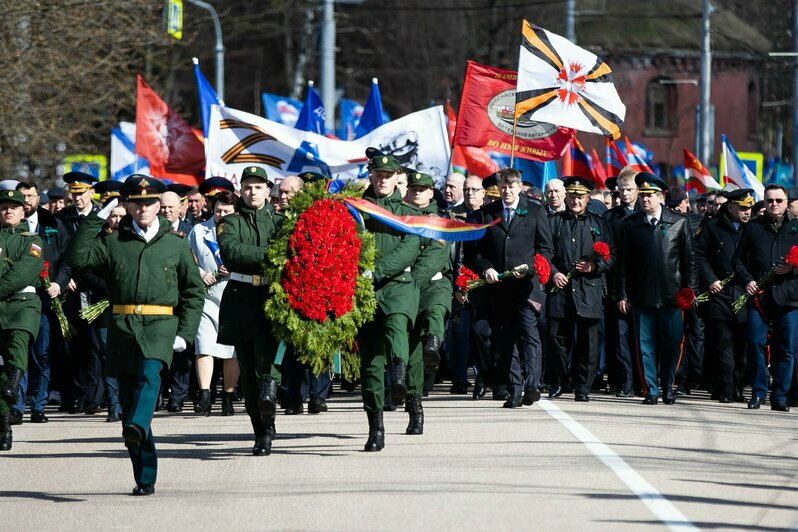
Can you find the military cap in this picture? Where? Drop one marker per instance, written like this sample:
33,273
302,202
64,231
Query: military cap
55,193
141,188
312,177
180,189
256,172
12,196
420,179
758,206
491,185
8,184
378,161
43,199
108,190
213,185
577,185
611,183
792,193
744,197
674,196
79,182
647,183
702,198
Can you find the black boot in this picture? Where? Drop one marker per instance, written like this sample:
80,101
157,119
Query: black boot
227,404
203,403
11,390
5,434
432,355
416,411
376,440
263,444
398,372
267,401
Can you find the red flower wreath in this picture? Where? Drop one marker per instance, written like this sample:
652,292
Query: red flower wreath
321,273
685,298
542,268
465,277
792,257
601,250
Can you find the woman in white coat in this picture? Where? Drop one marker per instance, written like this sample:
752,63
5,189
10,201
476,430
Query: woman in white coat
202,241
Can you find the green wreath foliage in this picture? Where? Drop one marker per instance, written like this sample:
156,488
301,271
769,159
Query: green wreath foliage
316,343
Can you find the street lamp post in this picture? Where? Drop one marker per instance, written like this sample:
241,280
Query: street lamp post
219,46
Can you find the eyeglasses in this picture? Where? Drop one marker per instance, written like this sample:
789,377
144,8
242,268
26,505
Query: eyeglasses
774,200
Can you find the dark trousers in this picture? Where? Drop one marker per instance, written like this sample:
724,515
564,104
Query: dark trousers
180,374
381,340
515,326
100,337
724,364
660,335
14,345
582,335
300,382
85,368
690,369
782,350
256,362
137,396
458,342
619,345
36,380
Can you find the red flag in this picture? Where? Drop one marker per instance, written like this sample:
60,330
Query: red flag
166,140
487,107
598,169
451,121
615,158
581,164
637,163
698,177
475,161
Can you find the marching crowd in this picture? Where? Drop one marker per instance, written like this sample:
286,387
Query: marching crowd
152,295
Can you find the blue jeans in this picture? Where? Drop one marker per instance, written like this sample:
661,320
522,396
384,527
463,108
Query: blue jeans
782,351
459,341
38,374
111,384
660,335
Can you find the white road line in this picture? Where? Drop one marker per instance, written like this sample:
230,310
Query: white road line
659,505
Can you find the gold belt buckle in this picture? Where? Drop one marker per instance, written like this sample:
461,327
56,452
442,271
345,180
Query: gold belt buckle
256,280
137,310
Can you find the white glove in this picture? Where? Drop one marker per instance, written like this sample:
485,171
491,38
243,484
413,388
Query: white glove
437,277
180,345
105,212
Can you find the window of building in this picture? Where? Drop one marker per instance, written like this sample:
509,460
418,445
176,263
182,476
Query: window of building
661,106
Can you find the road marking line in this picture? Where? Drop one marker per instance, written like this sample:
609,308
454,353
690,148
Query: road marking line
659,505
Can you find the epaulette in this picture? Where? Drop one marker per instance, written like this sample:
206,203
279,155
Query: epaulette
181,234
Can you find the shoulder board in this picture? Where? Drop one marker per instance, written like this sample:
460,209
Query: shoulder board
28,233
181,234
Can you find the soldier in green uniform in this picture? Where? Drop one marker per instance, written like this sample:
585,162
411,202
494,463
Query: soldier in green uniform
156,297
432,273
243,239
20,265
386,337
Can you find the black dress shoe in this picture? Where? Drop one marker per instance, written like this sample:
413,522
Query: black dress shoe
143,489
555,391
755,402
479,391
725,399
669,398
739,397
513,402
398,372
316,405
133,435
683,389
174,406
779,406
91,409
581,398
530,397
113,417
459,388
500,395
431,354
263,446
793,402
292,409
15,417
650,400
625,391
38,416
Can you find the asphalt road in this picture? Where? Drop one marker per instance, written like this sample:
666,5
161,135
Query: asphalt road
611,464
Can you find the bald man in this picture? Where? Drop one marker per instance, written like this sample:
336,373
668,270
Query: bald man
180,372
555,196
453,191
289,186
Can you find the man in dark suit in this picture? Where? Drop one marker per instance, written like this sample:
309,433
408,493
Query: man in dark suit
656,261
575,306
522,230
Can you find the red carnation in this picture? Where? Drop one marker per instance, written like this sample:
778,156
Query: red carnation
602,250
45,270
542,268
792,257
685,298
465,277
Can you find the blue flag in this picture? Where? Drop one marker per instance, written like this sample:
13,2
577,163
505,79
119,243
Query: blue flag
214,247
312,116
351,111
532,172
373,115
281,109
207,98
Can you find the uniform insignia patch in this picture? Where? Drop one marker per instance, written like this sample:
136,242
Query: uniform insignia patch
698,231
384,160
35,250
219,229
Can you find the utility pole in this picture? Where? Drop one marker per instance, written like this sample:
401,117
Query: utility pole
705,147
219,46
570,17
328,62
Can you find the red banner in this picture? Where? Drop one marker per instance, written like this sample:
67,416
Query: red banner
166,140
486,115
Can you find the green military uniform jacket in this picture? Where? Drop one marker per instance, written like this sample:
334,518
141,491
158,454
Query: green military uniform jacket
243,238
159,272
21,254
434,260
394,288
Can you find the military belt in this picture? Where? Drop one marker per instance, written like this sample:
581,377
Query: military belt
143,310
254,280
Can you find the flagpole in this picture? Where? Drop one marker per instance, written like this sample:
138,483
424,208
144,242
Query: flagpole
512,148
